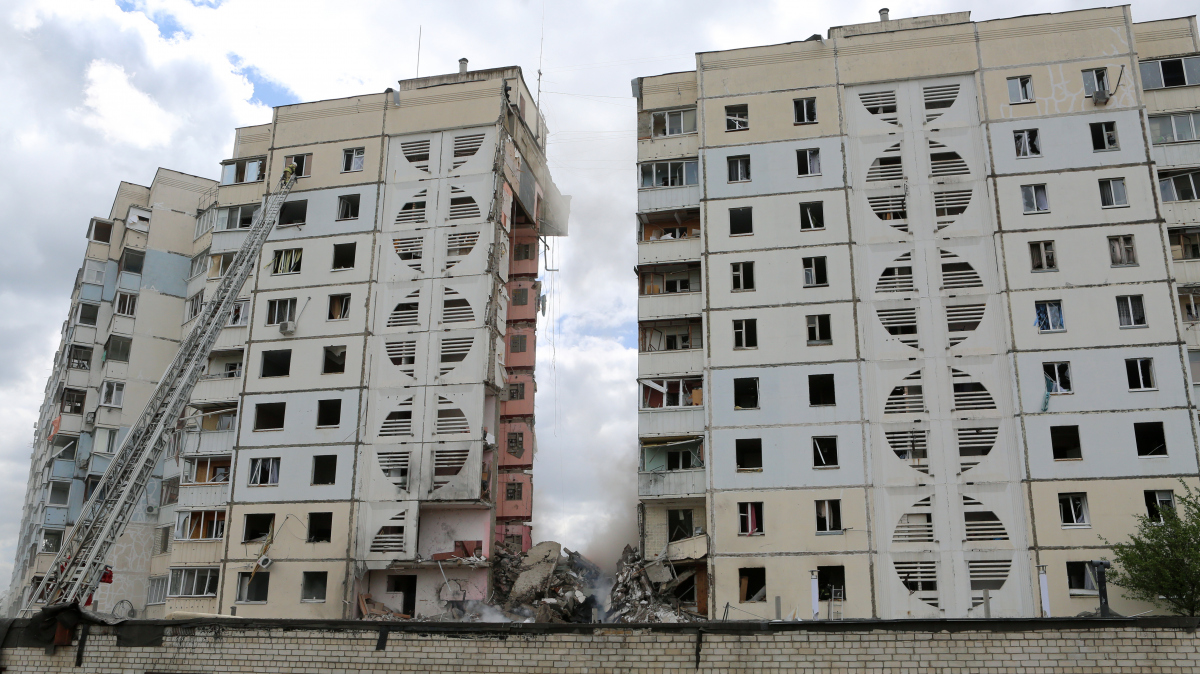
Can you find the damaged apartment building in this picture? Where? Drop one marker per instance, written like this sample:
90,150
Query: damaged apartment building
364,434
917,312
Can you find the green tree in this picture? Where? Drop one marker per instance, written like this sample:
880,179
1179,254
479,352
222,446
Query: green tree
1160,563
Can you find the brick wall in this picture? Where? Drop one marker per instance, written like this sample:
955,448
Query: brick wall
1160,645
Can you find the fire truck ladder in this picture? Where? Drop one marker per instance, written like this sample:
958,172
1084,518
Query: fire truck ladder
79,564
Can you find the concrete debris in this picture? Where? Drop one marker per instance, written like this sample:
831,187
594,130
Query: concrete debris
545,586
641,592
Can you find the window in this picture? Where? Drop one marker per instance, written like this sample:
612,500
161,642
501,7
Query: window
670,174
819,331
1064,443
200,525
287,261
325,467
1080,579
752,585
808,162
60,493
125,304
269,416
72,401
750,519
516,343
1170,73
829,516
830,578
101,231
1121,248
329,413
1073,511
512,491
193,582
805,110
259,527
745,393
820,390
1049,316
1130,311
1175,128
193,306
117,348
279,311
1095,79
93,272
241,217
516,391
1020,89
207,470
1034,200
1140,372
825,452
812,215
293,213
748,454
1178,186
303,164
741,221
516,444
1058,377
168,493
352,159
156,591
679,524
112,393
520,297
745,333
1158,503
737,118
1042,255
242,171
343,255
814,272
523,251
88,313
348,207
320,527
339,307
276,363
252,587
739,169
312,586
673,122
1027,143
264,472
334,361
743,275
1150,438
240,315
132,261
79,357
1104,136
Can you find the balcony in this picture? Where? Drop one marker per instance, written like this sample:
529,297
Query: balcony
70,424
669,250
129,281
62,469
55,516
671,483
208,442
232,337
667,305
203,495
671,421
668,198
217,388
660,363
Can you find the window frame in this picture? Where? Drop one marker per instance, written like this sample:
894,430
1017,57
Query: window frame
818,329
1100,131
1032,143
741,277
751,518
347,202
1047,258
125,304
273,306
1124,247
255,476
819,267
212,578
832,517
1024,90
740,162
1112,194
1144,368
1154,452
244,580
112,393
349,157
737,117
1097,74
1133,316
244,163
811,157
665,115
1157,65
684,173
1154,510
745,334
1033,199
1081,521
1061,371
342,302
1049,318
820,210
801,108
817,452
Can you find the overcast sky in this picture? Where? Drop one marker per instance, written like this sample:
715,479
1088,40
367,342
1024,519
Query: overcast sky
99,92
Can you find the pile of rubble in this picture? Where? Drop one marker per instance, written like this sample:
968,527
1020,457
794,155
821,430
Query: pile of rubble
544,586
642,592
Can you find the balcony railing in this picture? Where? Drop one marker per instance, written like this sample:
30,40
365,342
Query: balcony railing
671,483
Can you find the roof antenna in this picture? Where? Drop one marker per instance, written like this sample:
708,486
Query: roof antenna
541,50
419,29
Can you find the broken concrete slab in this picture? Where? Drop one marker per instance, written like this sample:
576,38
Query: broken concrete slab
536,569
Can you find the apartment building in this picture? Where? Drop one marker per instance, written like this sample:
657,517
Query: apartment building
364,434
916,315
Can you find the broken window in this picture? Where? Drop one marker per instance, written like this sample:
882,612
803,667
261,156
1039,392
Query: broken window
737,118
750,519
168,493
1175,128
1027,143
1104,136
329,413
276,363
200,525
193,582
752,585
252,586
1151,439
88,314
320,527
324,467
745,333
741,221
1178,186
117,348
805,110
673,122
60,493
240,315
334,361
1095,79
825,452
72,401
259,527
125,304
218,265
812,215
406,586
743,275
831,582
264,472
287,261
1121,251
112,393
1140,373
1064,443
512,491
820,390
1020,89
814,272
162,539
101,231
312,586
658,393
1170,72
1049,316
739,169
343,255
1158,503
348,206
303,164
819,330
279,311
748,454
1130,311
352,159
679,525
829,516
1185,244
293,214
93,272
132,261
671,335
241,217
193,306
1073,510
1034,200
745,393
808,162
1042,254
79,357
673,278
682,459
1058,377
516,444
1081,579
269,416
670,174
516,390
339,307
206,470
242,171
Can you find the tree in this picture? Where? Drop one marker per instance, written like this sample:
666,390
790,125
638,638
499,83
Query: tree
1160,563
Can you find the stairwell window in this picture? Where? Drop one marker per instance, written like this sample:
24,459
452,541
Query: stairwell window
287,261
1042,256
743,276
808,162
1140,374
739,169
112,393
1020,89
1073,511
750,519
737,117
1049,316
1121,251
812,216
279,311
1034,199
264,472
339,307
805,110
352,159
829,516
1130,311
1028,144
745,333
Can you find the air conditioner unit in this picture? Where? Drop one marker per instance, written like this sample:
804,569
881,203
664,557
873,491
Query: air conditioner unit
287,327
1100,97
151,509
90,418
265,562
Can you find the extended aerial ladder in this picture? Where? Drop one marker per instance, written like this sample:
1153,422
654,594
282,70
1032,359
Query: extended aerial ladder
80,563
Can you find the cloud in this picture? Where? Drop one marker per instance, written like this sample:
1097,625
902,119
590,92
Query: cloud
122,113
